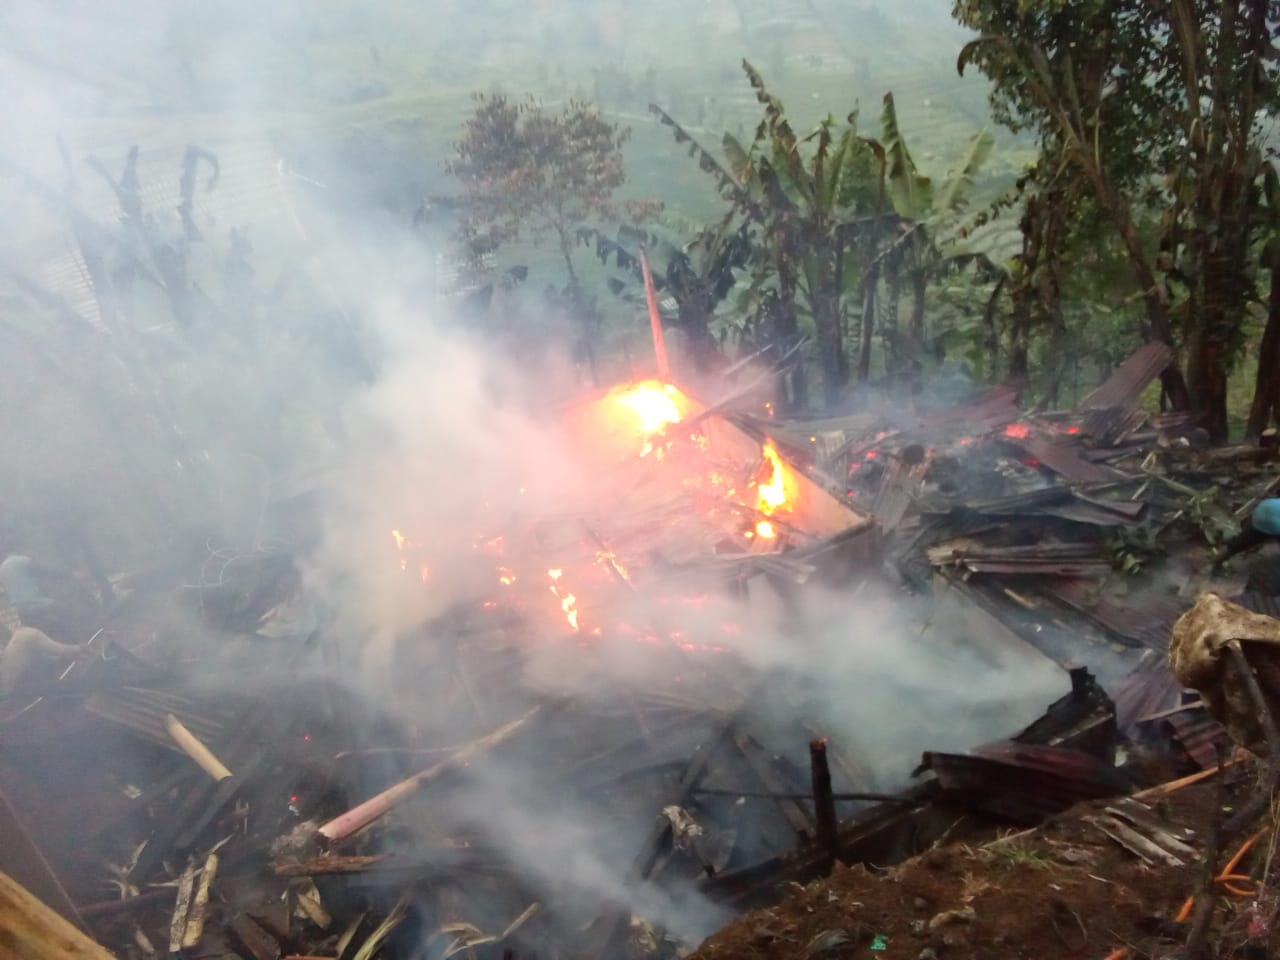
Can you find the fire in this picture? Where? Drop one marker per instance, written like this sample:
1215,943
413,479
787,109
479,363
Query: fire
568,602
399,538
772,494
1018,431
656,405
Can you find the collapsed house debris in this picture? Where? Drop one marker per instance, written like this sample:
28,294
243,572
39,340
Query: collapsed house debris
152,806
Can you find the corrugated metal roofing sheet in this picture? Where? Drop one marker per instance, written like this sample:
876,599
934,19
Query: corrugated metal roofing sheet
1149,689
1025,782
1064,459
1149,622
1123,387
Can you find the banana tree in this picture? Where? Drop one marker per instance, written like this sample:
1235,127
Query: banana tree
819,202
1266,394
930,234
816,212
697,275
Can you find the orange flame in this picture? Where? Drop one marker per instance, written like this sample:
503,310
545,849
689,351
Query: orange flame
568,602
656,405
772,494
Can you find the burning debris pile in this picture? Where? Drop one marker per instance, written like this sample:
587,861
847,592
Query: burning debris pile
584,755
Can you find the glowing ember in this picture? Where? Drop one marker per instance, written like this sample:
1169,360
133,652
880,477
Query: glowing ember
1018,431
655,405
506,576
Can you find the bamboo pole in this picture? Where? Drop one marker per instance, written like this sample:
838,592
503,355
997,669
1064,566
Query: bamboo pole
29,930
357,818
655,320
194,749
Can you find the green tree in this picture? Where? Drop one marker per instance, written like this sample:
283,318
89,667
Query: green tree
828,217
697,274
529,172
1152,107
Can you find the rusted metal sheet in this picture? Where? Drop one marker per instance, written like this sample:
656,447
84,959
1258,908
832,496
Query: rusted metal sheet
1151,688
1064,459
1084,719
1049,559
1263,603
995,408
1112,425
1149,623
1025,782
1198,734
1123,387
1078,511
897,486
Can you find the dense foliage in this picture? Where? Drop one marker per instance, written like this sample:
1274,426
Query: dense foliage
1150,112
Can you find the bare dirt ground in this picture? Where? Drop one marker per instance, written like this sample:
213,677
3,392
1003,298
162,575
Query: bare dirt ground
1062,891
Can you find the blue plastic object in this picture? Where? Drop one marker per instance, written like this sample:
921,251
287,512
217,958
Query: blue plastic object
1266,516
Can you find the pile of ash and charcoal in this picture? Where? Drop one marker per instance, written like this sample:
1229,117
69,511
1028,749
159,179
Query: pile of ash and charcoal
644,717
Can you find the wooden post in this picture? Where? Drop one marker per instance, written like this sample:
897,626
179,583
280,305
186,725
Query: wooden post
655,320
824,803
29,930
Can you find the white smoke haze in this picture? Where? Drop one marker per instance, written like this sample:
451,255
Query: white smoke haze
445,439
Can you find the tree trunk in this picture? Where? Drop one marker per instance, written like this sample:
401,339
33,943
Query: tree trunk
889,331
868,325
1152,294
695,321
824,304
785,332
1266,390
578,308
919,292
1207,372
990,330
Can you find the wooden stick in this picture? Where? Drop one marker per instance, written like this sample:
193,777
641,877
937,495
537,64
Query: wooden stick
195,918
655,320
29,930
1172,786
193,748
357,818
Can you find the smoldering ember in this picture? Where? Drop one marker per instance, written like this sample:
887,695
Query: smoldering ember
526,482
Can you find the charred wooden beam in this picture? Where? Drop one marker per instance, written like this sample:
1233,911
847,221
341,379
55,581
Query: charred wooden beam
601,940
796,815
824,803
